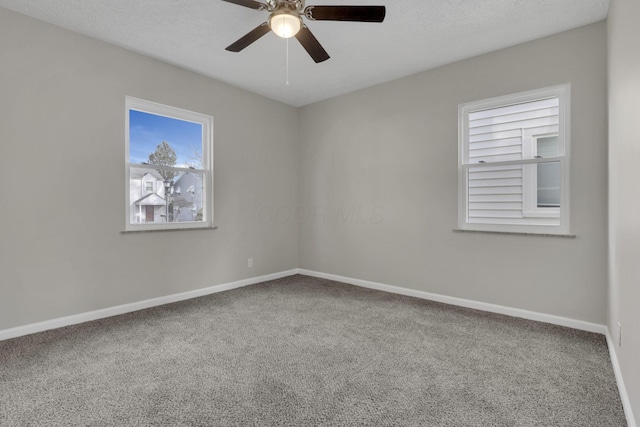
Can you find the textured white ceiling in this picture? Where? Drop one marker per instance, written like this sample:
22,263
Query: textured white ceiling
416,35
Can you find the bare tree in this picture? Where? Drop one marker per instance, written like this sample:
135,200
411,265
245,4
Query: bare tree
164,156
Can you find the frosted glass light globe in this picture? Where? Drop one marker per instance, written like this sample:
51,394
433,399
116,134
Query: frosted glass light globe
285,23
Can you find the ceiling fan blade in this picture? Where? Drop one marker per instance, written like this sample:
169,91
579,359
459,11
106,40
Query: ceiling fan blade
346,13
249,38
311,45
249,3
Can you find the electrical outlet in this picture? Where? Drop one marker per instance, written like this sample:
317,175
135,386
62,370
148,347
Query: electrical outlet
250,263
619,334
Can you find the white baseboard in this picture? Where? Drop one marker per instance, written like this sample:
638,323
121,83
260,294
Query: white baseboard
135,306
140,305
483,306
493,308
622,390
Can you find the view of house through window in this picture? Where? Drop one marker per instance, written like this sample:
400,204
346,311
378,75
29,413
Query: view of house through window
513,162
548,174
168,166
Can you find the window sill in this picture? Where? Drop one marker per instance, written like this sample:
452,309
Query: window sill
162,230
517,233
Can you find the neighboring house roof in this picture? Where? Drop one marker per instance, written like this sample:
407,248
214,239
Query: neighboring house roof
188,178
151,199
137,173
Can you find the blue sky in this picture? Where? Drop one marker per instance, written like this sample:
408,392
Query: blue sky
147,131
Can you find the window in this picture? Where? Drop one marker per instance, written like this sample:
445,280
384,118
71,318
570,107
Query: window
166,148
514,163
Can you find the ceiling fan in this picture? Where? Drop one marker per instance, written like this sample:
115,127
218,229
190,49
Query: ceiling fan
285,20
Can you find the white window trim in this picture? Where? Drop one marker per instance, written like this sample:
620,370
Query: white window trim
563,92
206,121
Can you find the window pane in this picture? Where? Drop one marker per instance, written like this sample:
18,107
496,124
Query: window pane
548,184
495,193
511,161
179,196
165,141
496,134
548,146
500,194
187,197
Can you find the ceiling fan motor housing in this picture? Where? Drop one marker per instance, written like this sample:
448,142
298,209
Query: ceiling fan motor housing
294,5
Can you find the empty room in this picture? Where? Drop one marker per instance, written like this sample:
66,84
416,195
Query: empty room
319,213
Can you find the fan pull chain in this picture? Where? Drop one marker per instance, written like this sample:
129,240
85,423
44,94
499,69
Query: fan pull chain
287,66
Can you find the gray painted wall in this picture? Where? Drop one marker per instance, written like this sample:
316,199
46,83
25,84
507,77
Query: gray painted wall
624,199
363,186
62,174
387,155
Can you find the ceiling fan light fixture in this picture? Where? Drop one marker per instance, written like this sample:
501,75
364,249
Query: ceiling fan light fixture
285,23
285,20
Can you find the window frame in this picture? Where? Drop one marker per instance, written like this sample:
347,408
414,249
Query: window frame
563,93
206,122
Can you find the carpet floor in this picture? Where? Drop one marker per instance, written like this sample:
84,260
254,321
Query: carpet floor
302,351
